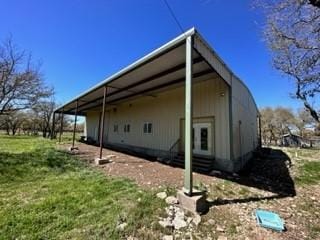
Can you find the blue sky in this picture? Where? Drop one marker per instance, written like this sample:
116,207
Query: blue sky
81,42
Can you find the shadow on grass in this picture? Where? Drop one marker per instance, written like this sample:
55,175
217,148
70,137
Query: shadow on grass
269,171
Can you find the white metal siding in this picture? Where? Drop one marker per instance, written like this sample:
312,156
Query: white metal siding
245,136
210,98
92,125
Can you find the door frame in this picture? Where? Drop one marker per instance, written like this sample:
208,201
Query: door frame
205,119
198,135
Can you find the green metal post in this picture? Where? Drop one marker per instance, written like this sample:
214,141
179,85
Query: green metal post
75,125
102,120
53,126
188,181
61,125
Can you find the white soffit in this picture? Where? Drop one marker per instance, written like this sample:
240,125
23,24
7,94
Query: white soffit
212,58
160,68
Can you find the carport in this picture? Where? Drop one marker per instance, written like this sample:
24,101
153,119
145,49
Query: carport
181,62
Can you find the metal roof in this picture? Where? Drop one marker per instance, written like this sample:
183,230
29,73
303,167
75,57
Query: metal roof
161,69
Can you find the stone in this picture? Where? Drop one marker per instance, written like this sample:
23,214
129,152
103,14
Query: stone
291,226
167,237
170,211
122,226
222,238
179,212
179,223
132,238
197,219
162,195
172,200
166,223
211,222
195,204
220,228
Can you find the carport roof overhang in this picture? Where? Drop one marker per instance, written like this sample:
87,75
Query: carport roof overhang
161,69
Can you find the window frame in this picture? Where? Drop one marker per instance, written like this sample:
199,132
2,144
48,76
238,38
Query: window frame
147,128
126,128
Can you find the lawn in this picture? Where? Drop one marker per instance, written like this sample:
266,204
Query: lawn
46,193
49,194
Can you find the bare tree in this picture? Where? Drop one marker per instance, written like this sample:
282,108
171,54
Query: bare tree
284,120
268,129
292,32
305,123
30,125
13,121
21,84
275,123
43,118
44,112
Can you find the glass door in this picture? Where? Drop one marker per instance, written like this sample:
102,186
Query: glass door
202,143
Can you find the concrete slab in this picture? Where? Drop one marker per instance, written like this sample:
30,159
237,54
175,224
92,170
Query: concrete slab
101,161
104,160
195,204
73,148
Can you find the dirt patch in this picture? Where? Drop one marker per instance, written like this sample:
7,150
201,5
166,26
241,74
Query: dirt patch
146,173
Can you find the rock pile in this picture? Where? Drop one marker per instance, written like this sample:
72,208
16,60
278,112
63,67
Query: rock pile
176,218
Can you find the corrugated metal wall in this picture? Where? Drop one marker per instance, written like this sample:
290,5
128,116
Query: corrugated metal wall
211,98
92,125
244,123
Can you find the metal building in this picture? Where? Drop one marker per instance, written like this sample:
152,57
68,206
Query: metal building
147,108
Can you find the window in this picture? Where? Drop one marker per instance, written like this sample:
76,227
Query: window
126,128
147,127
115,128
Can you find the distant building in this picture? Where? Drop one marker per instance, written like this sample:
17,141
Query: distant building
291,140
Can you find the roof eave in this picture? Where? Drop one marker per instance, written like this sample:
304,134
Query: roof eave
134,65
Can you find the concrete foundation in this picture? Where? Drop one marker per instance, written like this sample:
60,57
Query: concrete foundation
100,161
104,160
73,148
195,204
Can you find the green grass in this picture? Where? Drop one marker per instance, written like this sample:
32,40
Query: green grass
67,137
48,194
309,173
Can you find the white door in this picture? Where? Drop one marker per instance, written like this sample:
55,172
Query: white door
202,138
